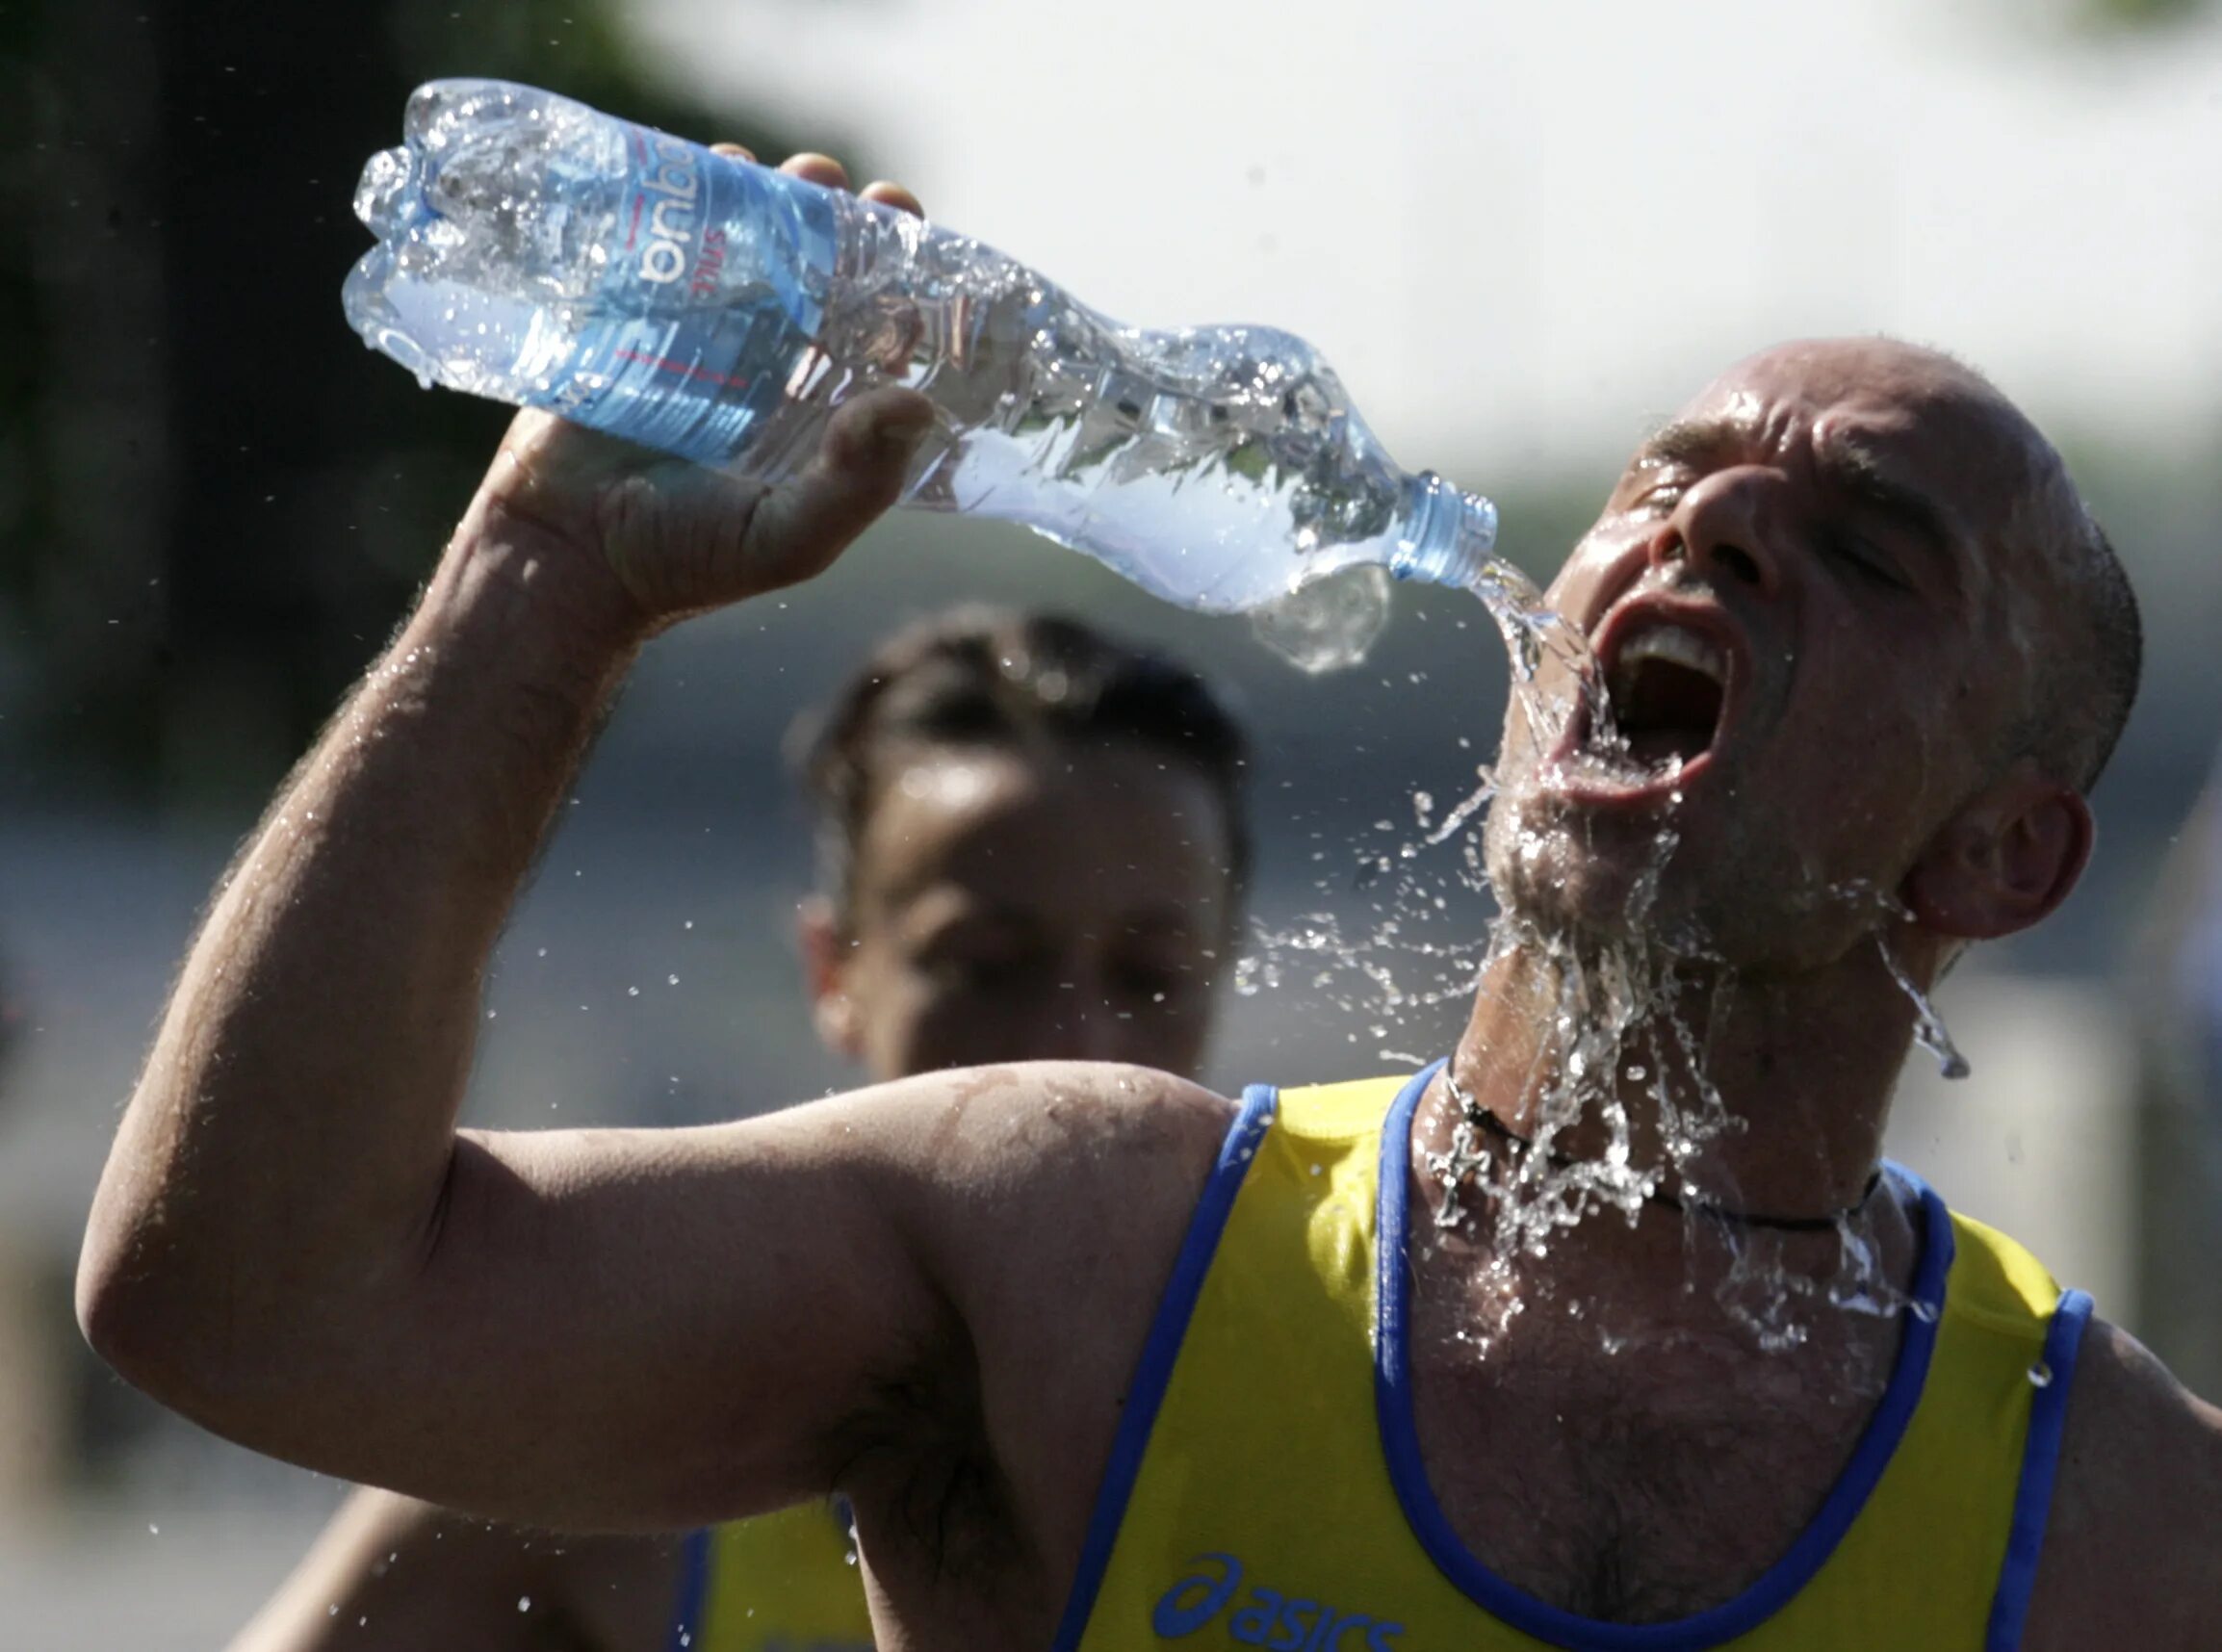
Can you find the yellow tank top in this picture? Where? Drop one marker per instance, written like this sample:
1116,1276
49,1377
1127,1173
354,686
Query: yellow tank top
1266,1489
779,1583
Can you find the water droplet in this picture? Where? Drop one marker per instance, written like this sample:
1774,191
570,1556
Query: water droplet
1928,1028
2040,1375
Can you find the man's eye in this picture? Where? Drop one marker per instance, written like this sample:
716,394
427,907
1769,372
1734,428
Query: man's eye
1871,564
1661,497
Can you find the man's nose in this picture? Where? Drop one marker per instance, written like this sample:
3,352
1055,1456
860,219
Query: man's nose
1721,527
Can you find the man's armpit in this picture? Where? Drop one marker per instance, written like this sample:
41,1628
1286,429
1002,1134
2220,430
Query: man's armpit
917,1466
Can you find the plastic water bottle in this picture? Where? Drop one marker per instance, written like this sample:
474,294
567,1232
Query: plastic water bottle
536,251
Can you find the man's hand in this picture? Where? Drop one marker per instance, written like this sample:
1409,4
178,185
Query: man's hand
657,538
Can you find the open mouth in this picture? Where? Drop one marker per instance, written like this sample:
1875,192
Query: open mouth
1665,703
1665,688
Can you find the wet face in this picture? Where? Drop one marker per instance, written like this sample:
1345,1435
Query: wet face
1813,595
1071,902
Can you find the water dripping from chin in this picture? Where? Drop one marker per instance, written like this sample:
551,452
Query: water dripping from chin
1928,1027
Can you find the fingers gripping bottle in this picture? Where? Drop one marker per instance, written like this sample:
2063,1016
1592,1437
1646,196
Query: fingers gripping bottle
536,251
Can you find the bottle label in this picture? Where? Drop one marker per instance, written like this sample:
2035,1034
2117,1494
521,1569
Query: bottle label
667,193
713,291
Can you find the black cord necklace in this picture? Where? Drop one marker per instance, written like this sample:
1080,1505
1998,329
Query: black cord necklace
1475,1114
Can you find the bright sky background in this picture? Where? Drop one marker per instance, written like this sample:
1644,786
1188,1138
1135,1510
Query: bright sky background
1519,232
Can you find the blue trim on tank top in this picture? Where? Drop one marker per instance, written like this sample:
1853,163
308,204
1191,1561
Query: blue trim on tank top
1514,1606
693,1590
1153,1372
2040,1461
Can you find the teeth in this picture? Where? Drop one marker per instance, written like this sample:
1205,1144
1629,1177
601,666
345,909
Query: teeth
1673,644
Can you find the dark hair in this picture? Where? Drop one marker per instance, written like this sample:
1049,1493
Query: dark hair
980,676
2081,704
2085,716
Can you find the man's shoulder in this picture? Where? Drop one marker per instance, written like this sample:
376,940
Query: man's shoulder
1048,1114
2133,1430
1128,1146
1027,1153
2136,1512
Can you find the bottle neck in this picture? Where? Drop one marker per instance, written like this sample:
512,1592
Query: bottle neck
1452,536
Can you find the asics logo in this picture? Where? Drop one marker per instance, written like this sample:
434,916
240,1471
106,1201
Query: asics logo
1268,1617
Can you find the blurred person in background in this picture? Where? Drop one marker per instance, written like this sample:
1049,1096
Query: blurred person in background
1032,846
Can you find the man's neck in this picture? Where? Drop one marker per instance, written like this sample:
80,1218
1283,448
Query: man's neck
1737,1097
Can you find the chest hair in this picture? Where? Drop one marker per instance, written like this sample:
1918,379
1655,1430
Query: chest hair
1638,1487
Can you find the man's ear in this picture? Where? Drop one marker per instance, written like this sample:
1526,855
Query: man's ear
825,962
2006,861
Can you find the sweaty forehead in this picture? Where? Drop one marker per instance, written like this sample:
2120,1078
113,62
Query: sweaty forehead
1931,418
1913,416
1914,422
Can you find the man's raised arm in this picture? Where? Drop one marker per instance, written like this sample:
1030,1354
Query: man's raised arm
273,1246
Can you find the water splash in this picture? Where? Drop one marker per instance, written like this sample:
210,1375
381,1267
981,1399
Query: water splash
1623,1112
1635,1021
1611,1010
1461,811
1777,1303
